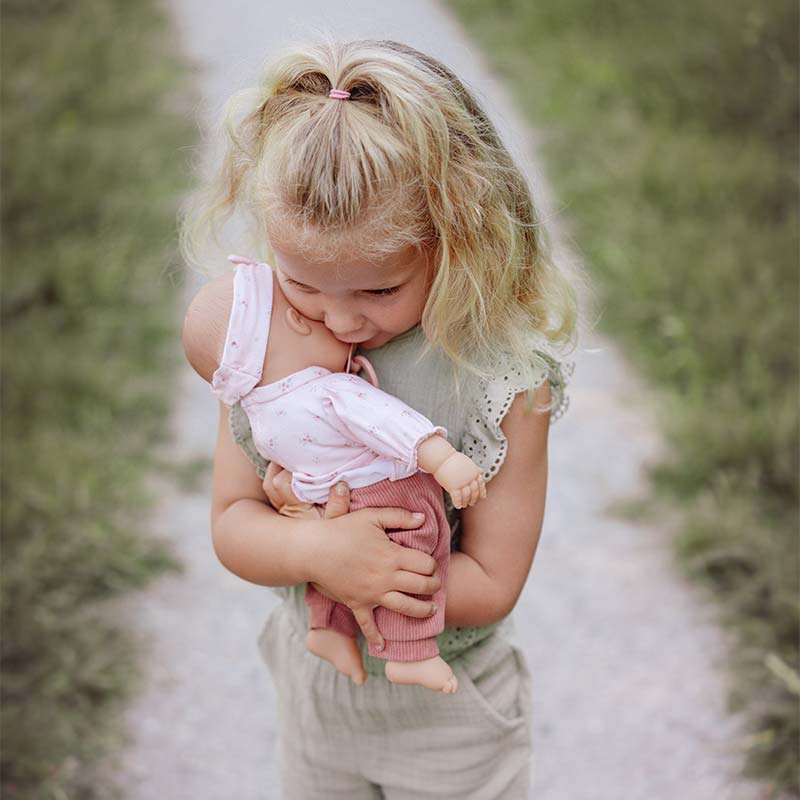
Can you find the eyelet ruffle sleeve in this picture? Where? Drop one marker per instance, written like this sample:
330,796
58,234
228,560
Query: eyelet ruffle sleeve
483,439
242,434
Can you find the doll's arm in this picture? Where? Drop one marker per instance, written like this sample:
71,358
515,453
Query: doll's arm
376,419
392,428
456,473
277,485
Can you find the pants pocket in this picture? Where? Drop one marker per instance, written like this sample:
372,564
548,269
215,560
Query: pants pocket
495,676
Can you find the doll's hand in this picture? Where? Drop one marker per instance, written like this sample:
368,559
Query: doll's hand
462,479
278,489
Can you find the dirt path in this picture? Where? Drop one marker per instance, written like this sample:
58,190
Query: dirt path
628,664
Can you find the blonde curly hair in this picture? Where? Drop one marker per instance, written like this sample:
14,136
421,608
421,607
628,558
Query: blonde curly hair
409,159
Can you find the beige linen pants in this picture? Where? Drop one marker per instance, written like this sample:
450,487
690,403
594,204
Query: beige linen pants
382,740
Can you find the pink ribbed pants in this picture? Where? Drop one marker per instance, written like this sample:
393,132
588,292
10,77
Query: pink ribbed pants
405,638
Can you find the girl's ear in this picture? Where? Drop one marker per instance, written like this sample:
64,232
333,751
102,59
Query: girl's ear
297,322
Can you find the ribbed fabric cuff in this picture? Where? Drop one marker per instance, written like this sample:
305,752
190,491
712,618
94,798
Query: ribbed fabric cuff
418,650
319,608
320,615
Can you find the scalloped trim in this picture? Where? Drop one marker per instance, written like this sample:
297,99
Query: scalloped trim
242,434
484,441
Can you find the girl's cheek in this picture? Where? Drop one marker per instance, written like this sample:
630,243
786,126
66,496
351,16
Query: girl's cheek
307,307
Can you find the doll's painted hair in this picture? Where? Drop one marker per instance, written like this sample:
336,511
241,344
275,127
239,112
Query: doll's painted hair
409,159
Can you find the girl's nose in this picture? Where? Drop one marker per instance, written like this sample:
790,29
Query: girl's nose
342,323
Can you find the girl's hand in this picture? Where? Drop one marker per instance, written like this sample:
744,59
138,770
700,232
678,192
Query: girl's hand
362,568
388,566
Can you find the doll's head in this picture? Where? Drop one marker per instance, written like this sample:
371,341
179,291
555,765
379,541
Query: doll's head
296,342
408,160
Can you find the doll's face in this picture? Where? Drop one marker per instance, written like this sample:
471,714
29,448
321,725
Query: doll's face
359,301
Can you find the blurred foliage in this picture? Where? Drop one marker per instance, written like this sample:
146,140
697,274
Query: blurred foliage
90,180
670,131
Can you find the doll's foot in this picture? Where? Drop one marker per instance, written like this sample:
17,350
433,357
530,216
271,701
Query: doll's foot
434,673
340,650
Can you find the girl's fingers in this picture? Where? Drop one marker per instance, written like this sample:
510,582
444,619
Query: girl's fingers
338,501
410,606
412,583
366,621
457,498
397,518
415,561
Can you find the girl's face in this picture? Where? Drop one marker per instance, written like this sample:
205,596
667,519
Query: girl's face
366,302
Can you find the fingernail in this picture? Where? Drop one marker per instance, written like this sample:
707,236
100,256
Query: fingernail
418,516
341,489
379,646
434,609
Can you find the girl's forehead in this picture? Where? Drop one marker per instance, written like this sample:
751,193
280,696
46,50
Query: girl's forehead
350,270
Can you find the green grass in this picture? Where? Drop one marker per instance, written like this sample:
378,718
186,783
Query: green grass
670,133
91,174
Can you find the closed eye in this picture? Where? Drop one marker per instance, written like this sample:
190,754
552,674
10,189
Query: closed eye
375,292
300,285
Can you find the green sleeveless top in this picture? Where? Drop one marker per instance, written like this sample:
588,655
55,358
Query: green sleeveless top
470,407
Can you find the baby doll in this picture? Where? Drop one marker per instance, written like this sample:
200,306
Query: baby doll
323,424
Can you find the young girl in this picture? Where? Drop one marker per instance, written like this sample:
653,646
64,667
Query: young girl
390,210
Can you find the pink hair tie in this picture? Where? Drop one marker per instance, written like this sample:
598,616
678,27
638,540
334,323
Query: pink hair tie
338,94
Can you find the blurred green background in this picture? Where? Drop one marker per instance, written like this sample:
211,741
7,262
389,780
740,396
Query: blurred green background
90,183
670,133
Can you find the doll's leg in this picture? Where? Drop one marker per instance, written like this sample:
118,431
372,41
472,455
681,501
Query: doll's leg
333,634
320,607
410,650
410,638
327,613
412,657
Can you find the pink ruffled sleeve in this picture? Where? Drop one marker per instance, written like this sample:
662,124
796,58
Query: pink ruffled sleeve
380,421
248,329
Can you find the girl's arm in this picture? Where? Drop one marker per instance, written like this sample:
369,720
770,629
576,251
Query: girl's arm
500,534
